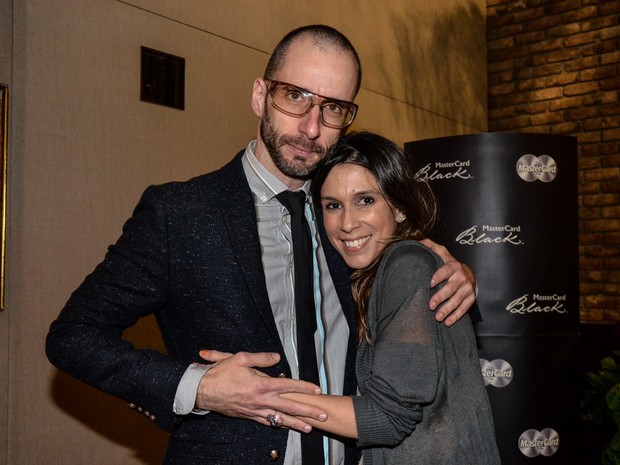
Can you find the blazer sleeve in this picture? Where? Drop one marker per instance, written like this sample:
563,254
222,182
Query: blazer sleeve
131,282
406,365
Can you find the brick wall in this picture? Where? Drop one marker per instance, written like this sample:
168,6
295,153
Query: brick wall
554,68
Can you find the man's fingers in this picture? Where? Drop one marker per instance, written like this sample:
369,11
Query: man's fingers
258,359
460,311
457,306
454,317
213,355
441,275
448,290
452,272
247,359
277,386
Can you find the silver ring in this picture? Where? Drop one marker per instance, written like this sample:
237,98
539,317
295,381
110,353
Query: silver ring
273,420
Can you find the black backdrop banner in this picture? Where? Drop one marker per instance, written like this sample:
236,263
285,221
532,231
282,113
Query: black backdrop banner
508,208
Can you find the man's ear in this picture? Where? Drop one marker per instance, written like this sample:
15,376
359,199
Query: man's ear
259,92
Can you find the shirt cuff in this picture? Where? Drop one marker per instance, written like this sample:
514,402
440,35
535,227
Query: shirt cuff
185,397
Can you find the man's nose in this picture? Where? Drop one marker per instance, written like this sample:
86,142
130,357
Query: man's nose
310,124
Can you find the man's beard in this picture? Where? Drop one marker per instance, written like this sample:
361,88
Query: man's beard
296,168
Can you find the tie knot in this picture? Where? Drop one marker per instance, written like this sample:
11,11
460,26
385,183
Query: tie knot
294,201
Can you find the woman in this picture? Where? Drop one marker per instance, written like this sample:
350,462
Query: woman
422,398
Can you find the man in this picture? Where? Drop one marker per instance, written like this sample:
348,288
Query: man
210,258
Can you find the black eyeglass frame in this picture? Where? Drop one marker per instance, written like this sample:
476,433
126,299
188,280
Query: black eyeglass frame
273,84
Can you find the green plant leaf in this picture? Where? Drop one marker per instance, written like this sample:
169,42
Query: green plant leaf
611,452
608,363
612,397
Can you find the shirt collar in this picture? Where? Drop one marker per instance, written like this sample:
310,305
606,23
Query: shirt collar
263,184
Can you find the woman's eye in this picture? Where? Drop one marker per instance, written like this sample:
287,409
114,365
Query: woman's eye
367,200
331,206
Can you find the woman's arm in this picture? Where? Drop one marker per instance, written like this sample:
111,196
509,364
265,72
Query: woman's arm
340,414
404,374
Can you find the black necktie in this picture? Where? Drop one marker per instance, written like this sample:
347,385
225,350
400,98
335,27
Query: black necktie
311,444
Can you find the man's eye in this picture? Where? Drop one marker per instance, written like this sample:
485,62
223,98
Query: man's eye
333,108
295,96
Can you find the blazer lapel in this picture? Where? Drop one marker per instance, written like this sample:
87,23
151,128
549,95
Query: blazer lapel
239,213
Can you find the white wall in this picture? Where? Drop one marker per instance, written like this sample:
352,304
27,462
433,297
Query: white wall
83,148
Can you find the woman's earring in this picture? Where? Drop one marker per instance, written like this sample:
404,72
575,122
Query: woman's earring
400,218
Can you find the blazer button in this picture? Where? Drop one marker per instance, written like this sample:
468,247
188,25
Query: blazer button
274,455
282,375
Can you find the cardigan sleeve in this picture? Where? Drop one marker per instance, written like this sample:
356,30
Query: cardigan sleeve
405,365
131,282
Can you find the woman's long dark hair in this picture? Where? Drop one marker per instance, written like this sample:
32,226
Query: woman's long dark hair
395,175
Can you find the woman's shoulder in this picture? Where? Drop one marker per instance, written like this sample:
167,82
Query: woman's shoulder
406,269
407,262
408,253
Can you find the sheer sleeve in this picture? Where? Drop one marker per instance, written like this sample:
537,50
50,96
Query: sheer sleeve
400,371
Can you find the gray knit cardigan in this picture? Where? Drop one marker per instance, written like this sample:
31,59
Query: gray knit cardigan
422,398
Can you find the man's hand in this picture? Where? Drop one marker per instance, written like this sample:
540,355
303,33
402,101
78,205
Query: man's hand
459,291
234,387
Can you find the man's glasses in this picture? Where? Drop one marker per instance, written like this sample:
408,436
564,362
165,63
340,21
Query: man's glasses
297,102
